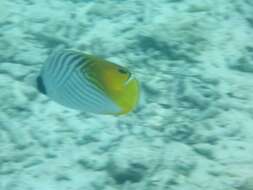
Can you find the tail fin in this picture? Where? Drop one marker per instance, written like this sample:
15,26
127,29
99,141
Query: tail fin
40,85
35,80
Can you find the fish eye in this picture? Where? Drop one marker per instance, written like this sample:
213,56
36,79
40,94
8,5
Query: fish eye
123,71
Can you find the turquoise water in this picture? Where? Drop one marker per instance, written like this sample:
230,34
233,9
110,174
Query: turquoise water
192,129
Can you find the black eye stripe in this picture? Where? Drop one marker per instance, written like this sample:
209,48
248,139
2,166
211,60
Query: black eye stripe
123,71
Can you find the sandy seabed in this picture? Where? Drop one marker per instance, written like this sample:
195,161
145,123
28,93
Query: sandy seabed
193,129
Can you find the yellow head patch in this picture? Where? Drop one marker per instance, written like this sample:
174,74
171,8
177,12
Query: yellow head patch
116,81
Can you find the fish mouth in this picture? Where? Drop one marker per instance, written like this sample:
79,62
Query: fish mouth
130,78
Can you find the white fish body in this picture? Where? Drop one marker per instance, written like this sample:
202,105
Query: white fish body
63,80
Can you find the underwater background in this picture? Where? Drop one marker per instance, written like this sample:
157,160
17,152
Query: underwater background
193,128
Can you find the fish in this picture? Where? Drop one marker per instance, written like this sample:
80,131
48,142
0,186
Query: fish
88,83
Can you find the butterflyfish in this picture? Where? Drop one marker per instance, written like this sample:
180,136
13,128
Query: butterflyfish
88,83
